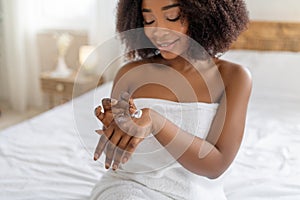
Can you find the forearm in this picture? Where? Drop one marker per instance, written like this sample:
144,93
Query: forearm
193,153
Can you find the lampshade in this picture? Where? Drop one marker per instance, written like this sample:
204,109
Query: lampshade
87,59
84,52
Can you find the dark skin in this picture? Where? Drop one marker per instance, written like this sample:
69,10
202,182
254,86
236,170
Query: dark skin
109,137
225,83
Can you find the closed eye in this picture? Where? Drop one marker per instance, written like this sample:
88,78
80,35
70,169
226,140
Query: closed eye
169,19
148,23
174,19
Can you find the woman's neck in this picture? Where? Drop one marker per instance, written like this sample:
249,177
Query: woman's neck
183,64
179,63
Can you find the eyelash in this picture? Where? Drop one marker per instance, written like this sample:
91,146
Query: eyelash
175,19
171,20
148,23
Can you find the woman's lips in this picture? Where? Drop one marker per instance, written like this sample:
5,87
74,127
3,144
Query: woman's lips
166,46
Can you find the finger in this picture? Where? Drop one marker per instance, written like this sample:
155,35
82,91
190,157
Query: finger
116,137
111,154
132,107
125,96
105,118
100,147
124,142
98,113
126,156
110,148
117,158
100,132
119,110
133,143
125,105
131,146
121,155
121,105
113,101
109,131
106,103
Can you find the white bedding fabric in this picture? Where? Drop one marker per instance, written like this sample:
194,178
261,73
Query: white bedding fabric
152,173
50,156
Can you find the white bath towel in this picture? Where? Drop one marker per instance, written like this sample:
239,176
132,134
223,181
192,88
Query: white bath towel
152,173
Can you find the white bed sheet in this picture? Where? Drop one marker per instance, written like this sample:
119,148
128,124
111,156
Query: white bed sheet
50,156
268,163
45,157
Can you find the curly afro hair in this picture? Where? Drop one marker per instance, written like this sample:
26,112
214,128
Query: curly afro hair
214,24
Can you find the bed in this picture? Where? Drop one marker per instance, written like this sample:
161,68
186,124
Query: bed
50,155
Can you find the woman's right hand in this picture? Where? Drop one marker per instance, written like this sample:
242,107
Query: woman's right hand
106,117
119,139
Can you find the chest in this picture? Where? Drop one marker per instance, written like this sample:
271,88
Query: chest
179,87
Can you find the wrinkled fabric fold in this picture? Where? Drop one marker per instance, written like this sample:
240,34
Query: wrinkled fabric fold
152,173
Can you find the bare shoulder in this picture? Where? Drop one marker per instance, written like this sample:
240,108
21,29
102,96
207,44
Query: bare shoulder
128,67
234,75
127,74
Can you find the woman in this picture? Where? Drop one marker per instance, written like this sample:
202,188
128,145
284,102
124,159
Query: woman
177,114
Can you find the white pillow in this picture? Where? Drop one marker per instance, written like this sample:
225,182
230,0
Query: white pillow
275,74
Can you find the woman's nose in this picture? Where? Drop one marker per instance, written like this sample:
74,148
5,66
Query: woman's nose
160,32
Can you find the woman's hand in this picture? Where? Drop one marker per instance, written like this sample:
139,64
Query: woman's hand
122,133
105,117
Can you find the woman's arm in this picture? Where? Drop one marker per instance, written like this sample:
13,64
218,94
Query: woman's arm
210,157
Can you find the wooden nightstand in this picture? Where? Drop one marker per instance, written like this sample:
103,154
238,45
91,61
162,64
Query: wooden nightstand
60,90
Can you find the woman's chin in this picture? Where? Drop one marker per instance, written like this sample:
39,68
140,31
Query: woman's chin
168,55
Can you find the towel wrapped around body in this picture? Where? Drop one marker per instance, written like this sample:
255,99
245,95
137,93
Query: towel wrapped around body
152,173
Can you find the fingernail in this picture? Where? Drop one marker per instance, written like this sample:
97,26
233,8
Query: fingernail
131,110
98,131
96,156
113,102
96,111
106,166
115,167
124,159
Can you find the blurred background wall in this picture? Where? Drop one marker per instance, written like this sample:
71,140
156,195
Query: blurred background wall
27,46
274,10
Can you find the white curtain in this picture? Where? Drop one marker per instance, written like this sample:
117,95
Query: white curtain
19,75
103,29
20,71
103,21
